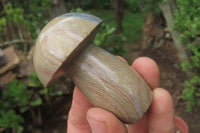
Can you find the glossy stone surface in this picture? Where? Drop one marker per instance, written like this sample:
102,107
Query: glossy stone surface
60,41
111,84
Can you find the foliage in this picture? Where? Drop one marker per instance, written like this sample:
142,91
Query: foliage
110,41
14,15
26,16
2,24
17,97
32,7
50,91
80,10
89,4
103,33
10,120
144,5
187,22
192,91
133,26
34,81
36,15
132,5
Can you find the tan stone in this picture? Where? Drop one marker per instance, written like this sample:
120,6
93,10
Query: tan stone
11,58
8,77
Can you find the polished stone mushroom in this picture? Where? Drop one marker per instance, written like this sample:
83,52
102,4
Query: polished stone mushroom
65,47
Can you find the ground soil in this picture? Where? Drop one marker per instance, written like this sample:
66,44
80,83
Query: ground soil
171,78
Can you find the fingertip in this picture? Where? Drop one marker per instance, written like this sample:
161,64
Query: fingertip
162,101
161,112
148,69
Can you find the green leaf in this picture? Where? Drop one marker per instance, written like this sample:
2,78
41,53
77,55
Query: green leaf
34,81
9,119
2,21
57,93
24,109
36,102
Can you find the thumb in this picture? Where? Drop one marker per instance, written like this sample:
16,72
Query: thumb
102,121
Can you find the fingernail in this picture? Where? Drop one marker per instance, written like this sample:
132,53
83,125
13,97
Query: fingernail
97,126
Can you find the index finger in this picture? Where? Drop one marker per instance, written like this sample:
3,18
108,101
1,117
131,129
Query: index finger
77,122
148,69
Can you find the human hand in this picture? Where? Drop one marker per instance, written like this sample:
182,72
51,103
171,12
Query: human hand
160,118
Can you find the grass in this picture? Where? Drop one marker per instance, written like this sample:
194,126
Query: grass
132,23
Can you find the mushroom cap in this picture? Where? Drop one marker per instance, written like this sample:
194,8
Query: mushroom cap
60,41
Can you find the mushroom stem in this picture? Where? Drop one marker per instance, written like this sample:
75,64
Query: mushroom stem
111,84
